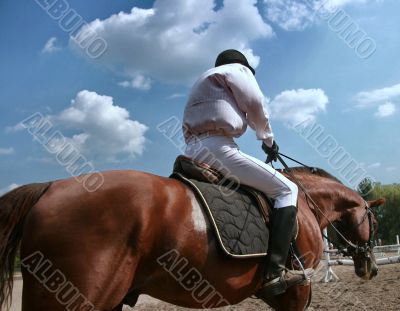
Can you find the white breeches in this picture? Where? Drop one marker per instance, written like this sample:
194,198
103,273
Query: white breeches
223,154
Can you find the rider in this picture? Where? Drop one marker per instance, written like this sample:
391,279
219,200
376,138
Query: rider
223,101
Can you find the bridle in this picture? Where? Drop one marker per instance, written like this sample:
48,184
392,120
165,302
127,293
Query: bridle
351,249
355,249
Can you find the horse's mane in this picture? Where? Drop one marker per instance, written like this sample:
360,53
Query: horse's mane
313,171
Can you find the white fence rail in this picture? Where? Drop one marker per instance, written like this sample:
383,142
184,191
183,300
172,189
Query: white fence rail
387,248
379,261
381,258
377,249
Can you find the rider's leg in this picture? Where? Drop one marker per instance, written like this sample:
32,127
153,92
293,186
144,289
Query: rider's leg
283,220
224,155
277,278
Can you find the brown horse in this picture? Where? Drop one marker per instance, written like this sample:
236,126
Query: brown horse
145,234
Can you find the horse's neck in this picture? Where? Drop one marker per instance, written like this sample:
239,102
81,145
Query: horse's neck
331,199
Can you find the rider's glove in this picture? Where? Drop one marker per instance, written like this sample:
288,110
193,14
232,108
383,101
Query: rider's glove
272,151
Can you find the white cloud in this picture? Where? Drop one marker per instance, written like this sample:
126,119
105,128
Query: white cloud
374,165
8,188
175,40
299,14
15,128
385,110
289,14
296,106
50,46
139,82
7,151
176,95
372,98
336,3
102,130
45,160
384,99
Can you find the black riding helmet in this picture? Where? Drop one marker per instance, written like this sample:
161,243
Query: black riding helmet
231,57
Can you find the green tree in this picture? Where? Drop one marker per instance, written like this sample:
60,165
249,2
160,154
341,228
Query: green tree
388,215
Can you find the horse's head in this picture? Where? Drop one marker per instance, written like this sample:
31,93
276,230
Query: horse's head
354,219
359,226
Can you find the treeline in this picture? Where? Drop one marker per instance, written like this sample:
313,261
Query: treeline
388,215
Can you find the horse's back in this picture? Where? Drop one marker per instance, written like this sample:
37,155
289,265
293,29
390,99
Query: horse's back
125,200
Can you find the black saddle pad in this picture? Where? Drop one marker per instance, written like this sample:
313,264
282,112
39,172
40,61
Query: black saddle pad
237,218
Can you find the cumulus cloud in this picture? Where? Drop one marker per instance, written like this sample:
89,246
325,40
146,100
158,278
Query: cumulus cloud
8,188
383,99
385,110
372,98
50,46
298,106
175,40
289,14
7,151
96,127
101,129
299,14
139,82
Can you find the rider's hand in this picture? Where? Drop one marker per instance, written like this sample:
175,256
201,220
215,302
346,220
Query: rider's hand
272,151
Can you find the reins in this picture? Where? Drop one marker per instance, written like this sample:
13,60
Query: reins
315,209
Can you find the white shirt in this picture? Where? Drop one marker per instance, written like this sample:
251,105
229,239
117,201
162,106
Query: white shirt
224,100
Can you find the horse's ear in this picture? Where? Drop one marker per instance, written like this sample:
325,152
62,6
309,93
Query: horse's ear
376,203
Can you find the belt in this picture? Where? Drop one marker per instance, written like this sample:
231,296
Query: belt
198,137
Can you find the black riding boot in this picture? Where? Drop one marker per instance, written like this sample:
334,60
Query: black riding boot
277,277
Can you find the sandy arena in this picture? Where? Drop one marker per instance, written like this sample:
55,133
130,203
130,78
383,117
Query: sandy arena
350,293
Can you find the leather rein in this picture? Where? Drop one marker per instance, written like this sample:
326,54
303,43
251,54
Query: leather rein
352,248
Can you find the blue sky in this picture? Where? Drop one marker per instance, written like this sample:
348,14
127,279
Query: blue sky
109,107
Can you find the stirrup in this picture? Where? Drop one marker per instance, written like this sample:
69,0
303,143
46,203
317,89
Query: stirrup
287,279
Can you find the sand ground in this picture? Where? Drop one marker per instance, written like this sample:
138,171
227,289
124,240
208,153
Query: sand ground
349,293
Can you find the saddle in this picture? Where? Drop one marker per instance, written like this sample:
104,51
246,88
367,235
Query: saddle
238,214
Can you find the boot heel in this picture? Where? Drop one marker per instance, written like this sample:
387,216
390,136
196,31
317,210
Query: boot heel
272,288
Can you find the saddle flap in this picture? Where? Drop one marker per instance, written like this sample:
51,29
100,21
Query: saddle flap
238,219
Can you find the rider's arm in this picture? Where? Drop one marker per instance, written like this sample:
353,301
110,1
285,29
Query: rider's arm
250,100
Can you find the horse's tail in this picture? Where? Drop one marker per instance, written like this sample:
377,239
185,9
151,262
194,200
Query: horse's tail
14,206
